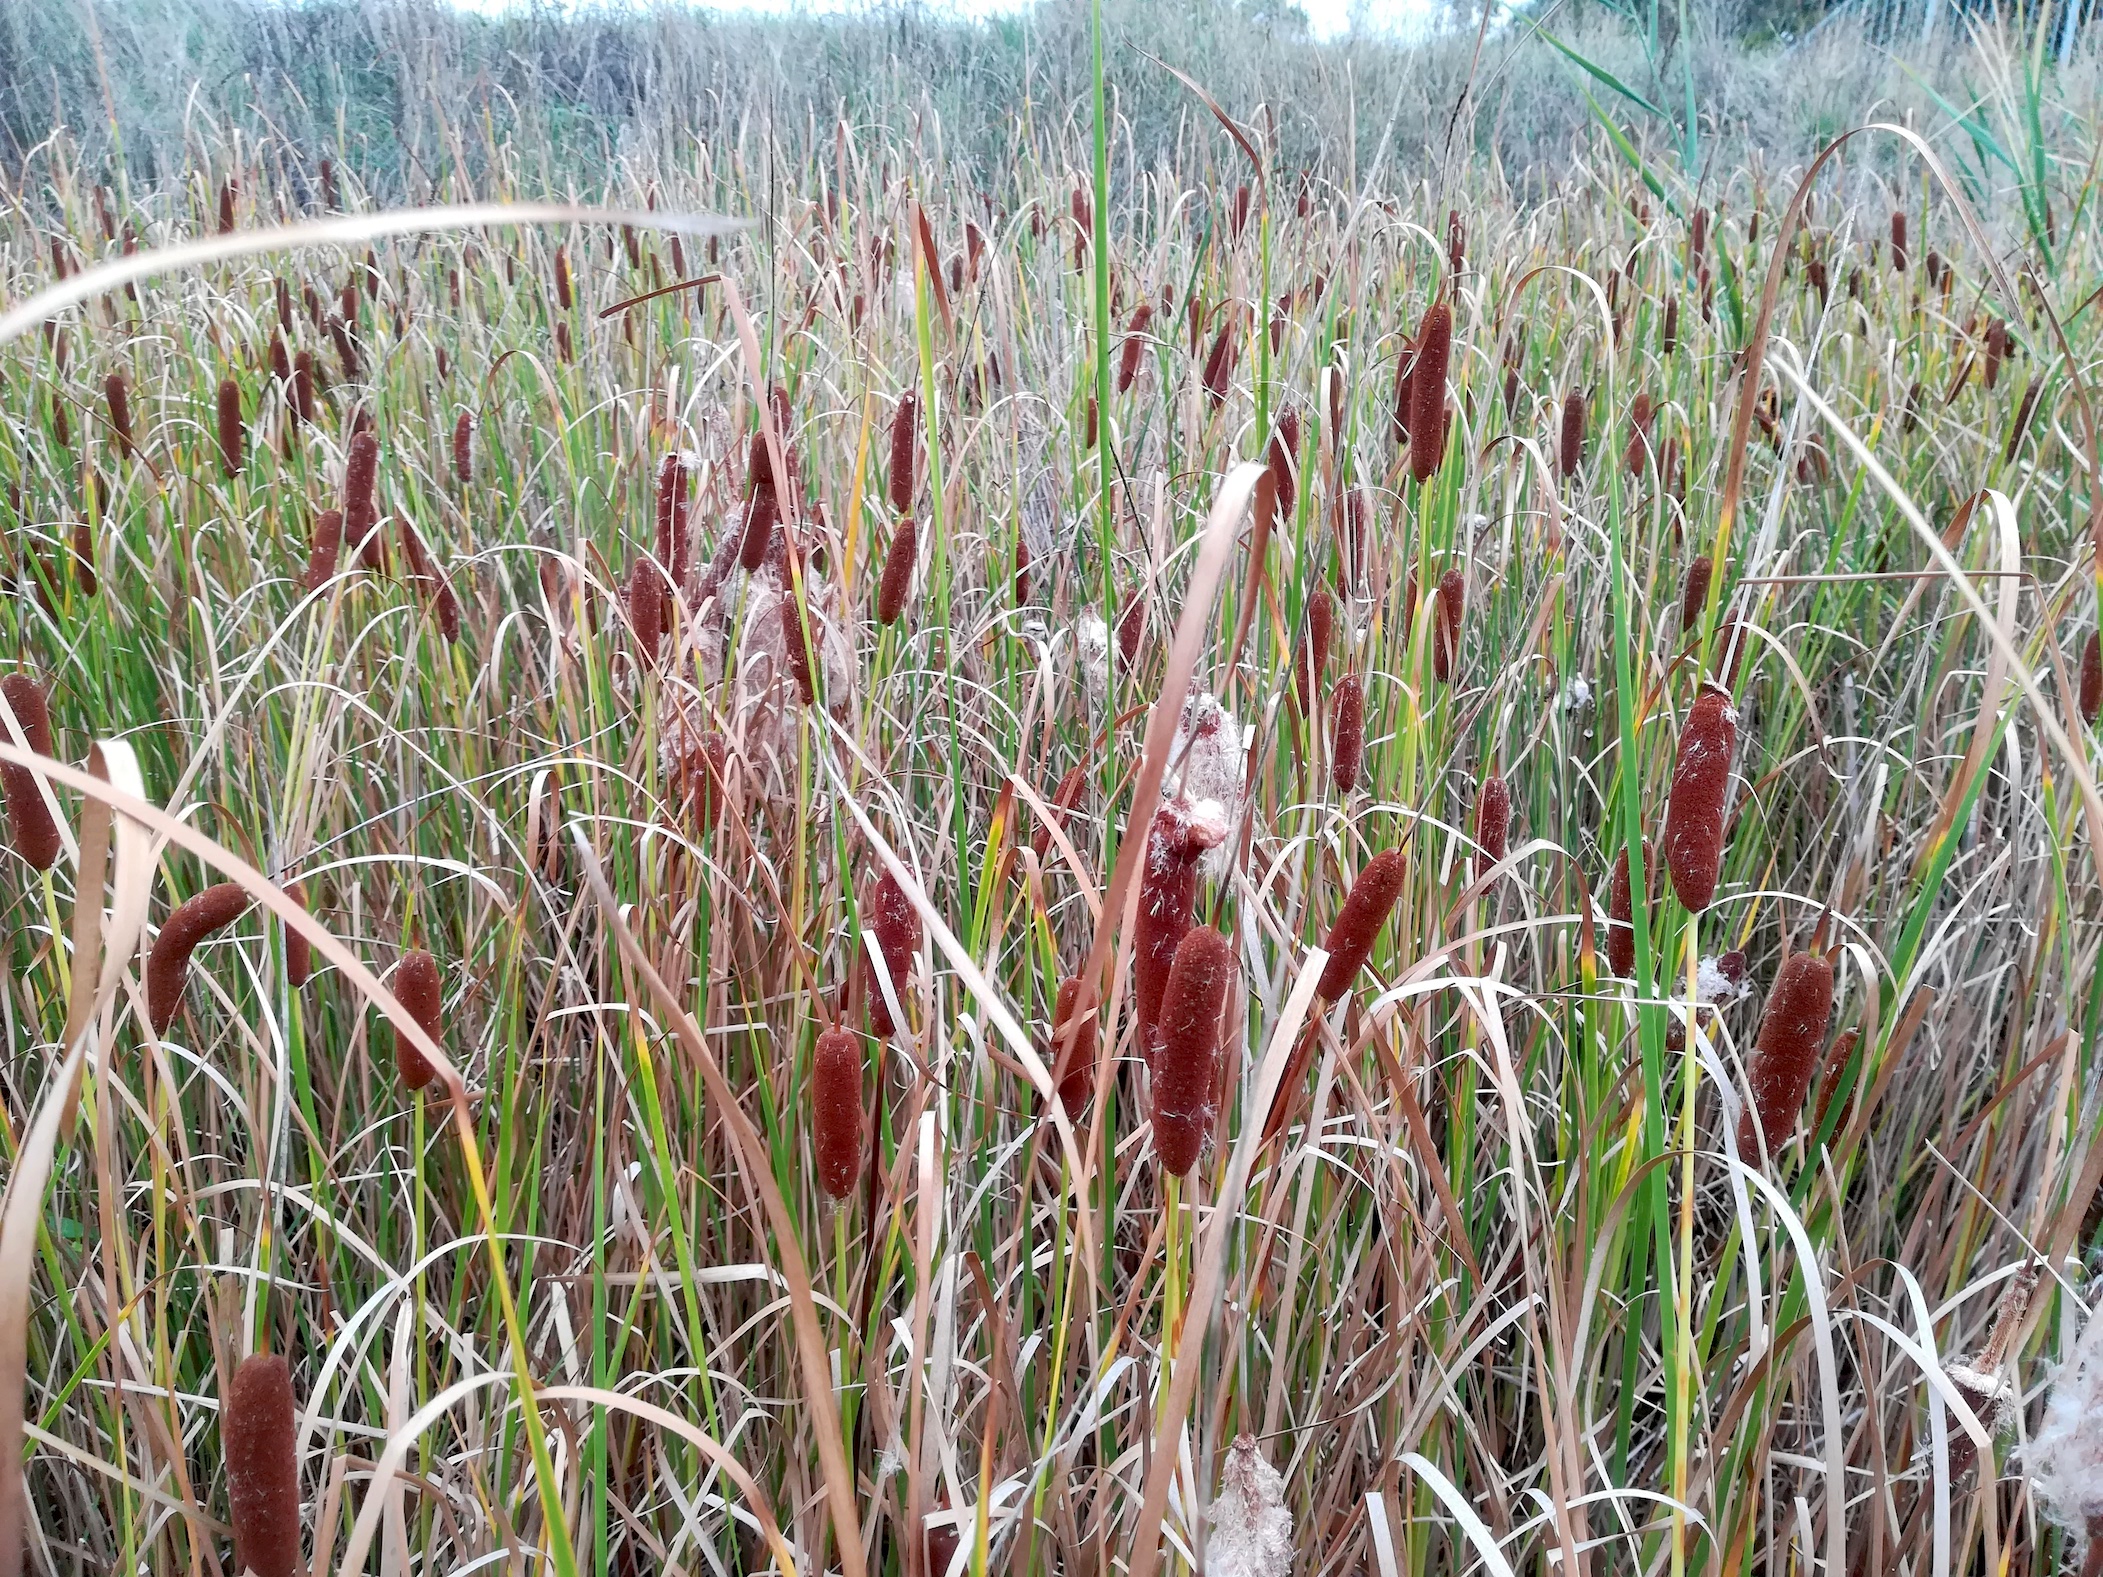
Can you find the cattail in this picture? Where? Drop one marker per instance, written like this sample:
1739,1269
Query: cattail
1621,910
1314,647
1571,453
891,916
299,952
1698,241
904,443
1357,926
1898,240
1836,1069
1694,812
1089,426
1668,341
226,207
280,358
418,988
1456,241
1131,627
1996,350
1638,457
257,1431
431,581
1186,1062
943,1542
1168,886
117,395
1448,611
1284,458
1219,365
836,1110
61,427
1347,734
1405,394
1792,1029
1022,568
168,965
360,516
1134,345
231,432
84,550
1427,405
1077,1061
761,512
563,297
464,448
1241,209
705,784
303,387
1493,823
29,818
346,348
2024,410
322,553
645,602
2091,679
897,582
1694,595
799,651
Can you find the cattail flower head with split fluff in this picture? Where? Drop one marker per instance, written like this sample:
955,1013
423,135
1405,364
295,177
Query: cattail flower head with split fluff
29,819
256,1430
1357,926
894,920
2065,1457
1720,978
896,584
1314,648
1700,797
1570,453
419,989
1181,834
836,1110
1134,345
1186,1056
1792,1032
1091,646
464,447
1694,595
2091,678
1451,608
1427,398
360,517
1493,823
1251,1524
1347,733
168,965
1621,911
904,442
1207,760
322,553
1078,1062
232,435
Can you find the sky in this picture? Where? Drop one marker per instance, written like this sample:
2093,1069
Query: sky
1329,18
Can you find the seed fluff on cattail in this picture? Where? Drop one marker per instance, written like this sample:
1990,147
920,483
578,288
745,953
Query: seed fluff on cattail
1186,1056
1700,797
168,964
1792,1031
29,818
257,1432
836,1110
419,988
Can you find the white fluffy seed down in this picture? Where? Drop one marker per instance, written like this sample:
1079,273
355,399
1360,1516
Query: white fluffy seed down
2065,1457
1251,1524
1207,767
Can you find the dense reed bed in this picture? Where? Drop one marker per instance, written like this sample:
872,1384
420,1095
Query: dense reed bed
741,693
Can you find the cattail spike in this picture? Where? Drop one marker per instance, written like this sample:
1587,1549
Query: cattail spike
897,583
1134,345
360,516
758,532
326,547
1314,648
257,1432
1694,812
29,819
893,919
299,952
836,1110
904,446
1357,926
232,434
1168,885
1427,402
1621,910
419,988
464,448
1694,595
1571,453
797,641
1347,734
1792,1029
2091,678
168,965
1493,823
1186,1063
1449,611
1072,1066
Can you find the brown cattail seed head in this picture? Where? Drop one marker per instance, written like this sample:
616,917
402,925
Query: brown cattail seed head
256,1429
2091,678
1451,608
1186,1064
1077,1062
117,394
418,987
303,387
1427,403
1493,823
360,475
1898,239
904,442
705,783
323,551
1131,626
1219,365
897,583
1792,1030
645,600
1134,345
1168,885
1694,595
1314,647
1836,1070
1357,927
891,916
29,818
299,952
797,642
836,1110
1638,456
1571,453
672,515
1284,458
760,513
1621,911
1347,734
464,447
1694,813
232,435
168,965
